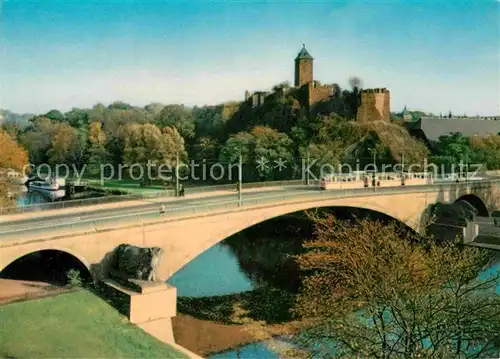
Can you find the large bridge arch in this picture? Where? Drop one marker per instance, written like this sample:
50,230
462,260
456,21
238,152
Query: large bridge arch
186,239
347,211
477,202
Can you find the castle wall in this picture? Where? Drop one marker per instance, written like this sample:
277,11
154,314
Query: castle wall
318,93
375,106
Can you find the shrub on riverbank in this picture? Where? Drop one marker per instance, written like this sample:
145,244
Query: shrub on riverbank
380,293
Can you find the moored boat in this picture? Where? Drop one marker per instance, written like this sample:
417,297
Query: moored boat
44,186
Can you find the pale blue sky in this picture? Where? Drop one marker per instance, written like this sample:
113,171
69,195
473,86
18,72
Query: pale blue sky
433,55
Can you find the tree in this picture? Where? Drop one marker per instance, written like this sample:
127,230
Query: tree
77,117
486,150
206,149
143,143
38,139
79,154
355,83
55,115
210,120
154,108
353,98
179,117
261,144
12,157
376,291
452,150
63,144
238,145
11,154
120,105
98,140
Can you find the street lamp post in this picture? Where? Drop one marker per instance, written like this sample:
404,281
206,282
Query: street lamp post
374,176
466,167
307,166
372,150
177,174
240,179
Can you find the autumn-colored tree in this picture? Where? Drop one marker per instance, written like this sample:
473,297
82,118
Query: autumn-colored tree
12,158
98,142
63,144
375,291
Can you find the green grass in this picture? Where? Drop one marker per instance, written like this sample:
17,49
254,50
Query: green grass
74,325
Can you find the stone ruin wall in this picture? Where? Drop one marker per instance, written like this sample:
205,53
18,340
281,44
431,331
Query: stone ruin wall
319,93
375,105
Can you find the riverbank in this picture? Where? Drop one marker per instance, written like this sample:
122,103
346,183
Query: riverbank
19,290
205,338
210,325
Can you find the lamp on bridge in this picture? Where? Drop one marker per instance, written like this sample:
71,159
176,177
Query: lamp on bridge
374,152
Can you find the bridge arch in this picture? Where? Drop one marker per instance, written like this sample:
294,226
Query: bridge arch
8,269
374,208
476,202
239,221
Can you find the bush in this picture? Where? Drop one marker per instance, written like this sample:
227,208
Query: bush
74,279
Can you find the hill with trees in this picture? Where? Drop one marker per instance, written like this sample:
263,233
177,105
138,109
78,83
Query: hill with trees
121,133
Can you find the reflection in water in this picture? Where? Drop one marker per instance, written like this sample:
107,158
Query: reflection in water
492,270
30,197
259,256
251,351
215,272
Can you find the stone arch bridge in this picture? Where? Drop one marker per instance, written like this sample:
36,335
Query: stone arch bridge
184,236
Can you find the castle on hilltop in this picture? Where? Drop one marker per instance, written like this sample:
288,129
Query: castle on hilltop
374,103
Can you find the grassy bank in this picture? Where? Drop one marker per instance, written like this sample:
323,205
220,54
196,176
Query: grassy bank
74,325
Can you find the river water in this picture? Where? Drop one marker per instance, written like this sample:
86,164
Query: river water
30,197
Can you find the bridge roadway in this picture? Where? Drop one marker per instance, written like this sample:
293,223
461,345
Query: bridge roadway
43,224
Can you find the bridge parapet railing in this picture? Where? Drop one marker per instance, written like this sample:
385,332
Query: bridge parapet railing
203,209
83,202
170,193
137,197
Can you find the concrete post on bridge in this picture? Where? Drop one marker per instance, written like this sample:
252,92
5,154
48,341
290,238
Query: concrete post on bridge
470,232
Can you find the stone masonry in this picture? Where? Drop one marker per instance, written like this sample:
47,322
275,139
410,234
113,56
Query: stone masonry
375,105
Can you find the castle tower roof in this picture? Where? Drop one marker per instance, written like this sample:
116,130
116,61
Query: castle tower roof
303,54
